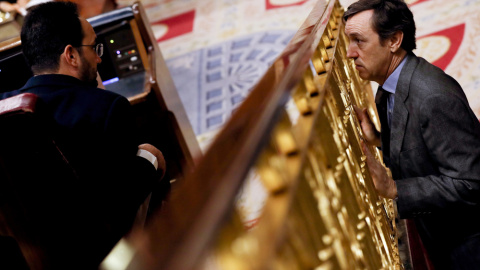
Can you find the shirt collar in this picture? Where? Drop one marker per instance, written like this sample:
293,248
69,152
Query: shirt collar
391,83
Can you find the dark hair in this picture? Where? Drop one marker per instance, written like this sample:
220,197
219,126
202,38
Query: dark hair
389,16
47,29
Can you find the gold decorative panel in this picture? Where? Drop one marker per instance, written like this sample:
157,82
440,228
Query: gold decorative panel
322,211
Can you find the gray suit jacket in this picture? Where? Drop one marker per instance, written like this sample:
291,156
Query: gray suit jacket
435,160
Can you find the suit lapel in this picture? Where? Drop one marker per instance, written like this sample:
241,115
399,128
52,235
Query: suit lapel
400,111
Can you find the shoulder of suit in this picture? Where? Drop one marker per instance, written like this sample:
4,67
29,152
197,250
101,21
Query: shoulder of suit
425,68
96,92
432,79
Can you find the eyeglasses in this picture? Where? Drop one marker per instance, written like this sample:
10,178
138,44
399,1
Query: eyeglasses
98,48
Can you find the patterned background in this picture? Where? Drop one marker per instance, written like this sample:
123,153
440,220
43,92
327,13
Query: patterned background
216,50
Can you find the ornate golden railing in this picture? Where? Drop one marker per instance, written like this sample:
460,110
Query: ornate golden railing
321,210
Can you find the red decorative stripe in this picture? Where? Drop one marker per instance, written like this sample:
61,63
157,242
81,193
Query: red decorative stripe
418,2
455,35
269,5
177,25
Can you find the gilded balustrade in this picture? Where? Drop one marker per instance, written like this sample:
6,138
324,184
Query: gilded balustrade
322,211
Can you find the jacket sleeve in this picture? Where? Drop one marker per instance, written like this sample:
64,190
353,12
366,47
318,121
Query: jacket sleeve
451,133
132,176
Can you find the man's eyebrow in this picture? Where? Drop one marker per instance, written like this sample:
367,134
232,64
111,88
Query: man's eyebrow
355,34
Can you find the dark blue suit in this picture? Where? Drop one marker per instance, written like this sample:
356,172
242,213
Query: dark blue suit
95,129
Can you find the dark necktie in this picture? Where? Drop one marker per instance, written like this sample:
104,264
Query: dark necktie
381,99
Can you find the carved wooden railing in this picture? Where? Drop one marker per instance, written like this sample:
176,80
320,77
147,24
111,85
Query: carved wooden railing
321,212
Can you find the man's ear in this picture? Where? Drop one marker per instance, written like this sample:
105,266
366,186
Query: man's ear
71,56
396,41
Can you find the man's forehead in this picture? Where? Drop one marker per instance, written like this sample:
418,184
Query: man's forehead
359,23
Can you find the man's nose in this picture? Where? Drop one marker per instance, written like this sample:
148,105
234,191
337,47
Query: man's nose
99,59
351,52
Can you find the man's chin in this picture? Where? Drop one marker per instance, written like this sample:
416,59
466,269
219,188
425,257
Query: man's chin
363,75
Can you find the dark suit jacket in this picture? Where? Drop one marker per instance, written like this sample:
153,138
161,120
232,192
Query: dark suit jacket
95,130
435,160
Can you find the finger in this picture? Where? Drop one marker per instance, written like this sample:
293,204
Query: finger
366,151
358,111
370,158
361,114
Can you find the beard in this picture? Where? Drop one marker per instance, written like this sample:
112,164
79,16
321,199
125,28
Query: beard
88,74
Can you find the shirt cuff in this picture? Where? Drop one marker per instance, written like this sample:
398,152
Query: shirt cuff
148,156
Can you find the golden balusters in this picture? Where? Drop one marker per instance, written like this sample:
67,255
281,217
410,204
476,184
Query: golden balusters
321,209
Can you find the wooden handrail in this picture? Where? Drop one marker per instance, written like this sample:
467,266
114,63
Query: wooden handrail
164,89
10,43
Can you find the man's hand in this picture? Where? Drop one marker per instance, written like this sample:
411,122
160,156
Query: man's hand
162,166
19,6
100,82
384,184
7,7
370,133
